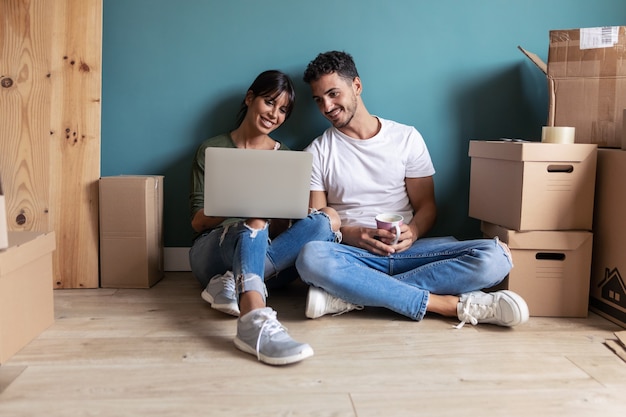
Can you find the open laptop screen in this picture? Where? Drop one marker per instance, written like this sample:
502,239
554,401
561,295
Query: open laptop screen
256,183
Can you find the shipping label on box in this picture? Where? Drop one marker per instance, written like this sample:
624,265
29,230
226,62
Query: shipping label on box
586,74
531,185
608,273
551,269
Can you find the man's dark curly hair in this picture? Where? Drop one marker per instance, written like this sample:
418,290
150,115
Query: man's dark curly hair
329,62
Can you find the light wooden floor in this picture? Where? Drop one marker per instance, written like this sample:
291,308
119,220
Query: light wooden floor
164,352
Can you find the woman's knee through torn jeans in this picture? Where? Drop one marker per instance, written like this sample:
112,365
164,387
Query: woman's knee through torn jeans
250,253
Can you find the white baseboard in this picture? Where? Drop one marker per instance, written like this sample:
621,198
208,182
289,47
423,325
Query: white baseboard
176,259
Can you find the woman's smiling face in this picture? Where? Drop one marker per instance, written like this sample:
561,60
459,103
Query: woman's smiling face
266,114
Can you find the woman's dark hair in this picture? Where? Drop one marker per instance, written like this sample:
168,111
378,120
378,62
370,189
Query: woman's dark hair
329,62
270,84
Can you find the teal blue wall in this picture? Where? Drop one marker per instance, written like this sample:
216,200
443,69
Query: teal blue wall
174,73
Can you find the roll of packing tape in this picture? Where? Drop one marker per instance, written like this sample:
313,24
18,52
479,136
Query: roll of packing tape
557,134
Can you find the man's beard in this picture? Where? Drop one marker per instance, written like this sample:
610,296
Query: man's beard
351,111
345,123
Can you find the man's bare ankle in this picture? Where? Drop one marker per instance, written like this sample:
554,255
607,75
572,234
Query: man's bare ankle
444,305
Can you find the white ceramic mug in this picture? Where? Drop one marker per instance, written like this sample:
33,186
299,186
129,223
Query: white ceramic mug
391,222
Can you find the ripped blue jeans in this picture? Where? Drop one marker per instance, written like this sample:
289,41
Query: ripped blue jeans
252,256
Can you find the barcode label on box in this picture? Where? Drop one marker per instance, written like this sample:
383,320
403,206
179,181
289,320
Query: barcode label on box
602,37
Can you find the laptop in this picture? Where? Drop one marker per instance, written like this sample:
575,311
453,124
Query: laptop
256,183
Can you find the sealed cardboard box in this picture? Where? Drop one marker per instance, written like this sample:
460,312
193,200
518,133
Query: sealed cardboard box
586,74
608,273
131,231
532,185
26,293
551,269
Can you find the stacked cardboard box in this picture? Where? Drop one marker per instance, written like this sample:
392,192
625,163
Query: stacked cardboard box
538,198
586,73
608,273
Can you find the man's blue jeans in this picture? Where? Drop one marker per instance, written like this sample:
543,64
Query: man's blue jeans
250,254
402,282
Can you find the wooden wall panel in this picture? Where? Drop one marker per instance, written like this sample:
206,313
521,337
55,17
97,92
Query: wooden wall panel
25,112
75,126
50,127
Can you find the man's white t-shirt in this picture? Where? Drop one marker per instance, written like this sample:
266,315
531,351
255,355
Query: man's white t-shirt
366,177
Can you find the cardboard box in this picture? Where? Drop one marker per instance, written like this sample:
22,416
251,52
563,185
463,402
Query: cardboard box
531,185
26,293
551,269
131,231
586,74
608,273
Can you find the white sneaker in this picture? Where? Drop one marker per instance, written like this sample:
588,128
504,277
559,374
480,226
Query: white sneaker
319,303
220,293
260,333
503,308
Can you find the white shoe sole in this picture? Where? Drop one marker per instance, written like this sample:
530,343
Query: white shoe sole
312,300
231,308
307,352
523,307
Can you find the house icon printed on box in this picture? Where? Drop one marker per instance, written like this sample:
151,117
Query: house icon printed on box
613,288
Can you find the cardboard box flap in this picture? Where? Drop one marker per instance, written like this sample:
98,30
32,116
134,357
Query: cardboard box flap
531,151
535,59
39,244
138,180
543,240
587,52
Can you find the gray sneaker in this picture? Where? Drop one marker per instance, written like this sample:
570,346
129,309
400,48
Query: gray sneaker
261,334
503,308
220,293
319,303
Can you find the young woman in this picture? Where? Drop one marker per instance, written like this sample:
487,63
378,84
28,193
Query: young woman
255,250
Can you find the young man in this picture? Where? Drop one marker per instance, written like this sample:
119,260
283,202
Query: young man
363,166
